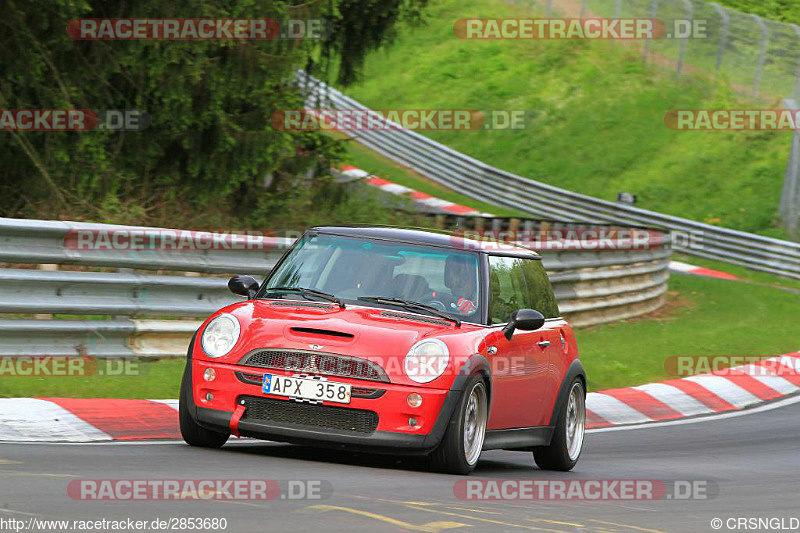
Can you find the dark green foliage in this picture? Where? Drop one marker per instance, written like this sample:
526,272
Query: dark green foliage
210,149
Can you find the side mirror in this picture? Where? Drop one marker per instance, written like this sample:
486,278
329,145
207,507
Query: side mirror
243,286
524,319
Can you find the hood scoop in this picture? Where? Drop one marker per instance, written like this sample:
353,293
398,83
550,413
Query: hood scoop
322,332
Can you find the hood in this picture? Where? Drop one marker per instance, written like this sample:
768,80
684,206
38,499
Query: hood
382,335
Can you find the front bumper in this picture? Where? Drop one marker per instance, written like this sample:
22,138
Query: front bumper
392,434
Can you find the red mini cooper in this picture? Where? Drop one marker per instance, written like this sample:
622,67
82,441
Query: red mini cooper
396,341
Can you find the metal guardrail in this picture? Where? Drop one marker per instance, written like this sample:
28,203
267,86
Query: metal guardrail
478,180
591,286
96,338
43,242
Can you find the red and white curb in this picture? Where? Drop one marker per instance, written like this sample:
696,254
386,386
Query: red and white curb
686,268
705,394
101,419
87,419
430,203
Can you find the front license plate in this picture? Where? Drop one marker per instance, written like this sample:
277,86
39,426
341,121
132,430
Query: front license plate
307,389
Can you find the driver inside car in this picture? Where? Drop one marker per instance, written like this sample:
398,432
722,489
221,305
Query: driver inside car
460,278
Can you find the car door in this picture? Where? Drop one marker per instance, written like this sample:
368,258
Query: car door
540,292
521,366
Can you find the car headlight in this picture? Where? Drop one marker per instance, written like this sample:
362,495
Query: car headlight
426,360
220,335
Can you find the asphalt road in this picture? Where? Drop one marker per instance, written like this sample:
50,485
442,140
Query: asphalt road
753,460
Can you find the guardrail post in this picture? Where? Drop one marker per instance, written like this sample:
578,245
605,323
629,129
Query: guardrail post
617,8
761,55
544,228
653,11
48,267
796,29
549,7
685,40
723,33
790,195
583,8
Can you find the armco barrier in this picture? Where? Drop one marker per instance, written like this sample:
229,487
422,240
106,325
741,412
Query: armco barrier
478,180
592,286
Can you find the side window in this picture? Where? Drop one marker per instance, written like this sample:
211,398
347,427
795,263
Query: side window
540,292
507,288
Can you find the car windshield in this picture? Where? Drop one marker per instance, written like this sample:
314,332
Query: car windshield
359,271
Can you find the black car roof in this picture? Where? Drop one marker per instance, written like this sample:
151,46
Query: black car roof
442,239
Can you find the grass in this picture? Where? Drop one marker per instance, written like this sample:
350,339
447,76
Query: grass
703,317
598,125
708,317
155,380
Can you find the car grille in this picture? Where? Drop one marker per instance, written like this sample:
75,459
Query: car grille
294,414
325,364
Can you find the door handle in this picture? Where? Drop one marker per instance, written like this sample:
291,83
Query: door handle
543,344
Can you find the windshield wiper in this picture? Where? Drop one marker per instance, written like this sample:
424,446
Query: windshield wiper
412,306
309,292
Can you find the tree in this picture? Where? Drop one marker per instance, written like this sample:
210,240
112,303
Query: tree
209,142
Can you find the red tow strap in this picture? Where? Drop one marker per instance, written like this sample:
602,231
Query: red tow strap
235,418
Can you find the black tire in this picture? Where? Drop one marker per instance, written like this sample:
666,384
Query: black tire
192,432
556,456
450,456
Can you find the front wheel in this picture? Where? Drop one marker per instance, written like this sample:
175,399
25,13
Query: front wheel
461,446
191,431
565,448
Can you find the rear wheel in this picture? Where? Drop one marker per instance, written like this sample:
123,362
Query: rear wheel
565,447
461,446
192,432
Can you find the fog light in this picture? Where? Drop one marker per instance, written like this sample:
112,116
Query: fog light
209,396
414,399
209,374
412,422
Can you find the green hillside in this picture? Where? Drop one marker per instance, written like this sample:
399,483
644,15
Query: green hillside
599,117
782,10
